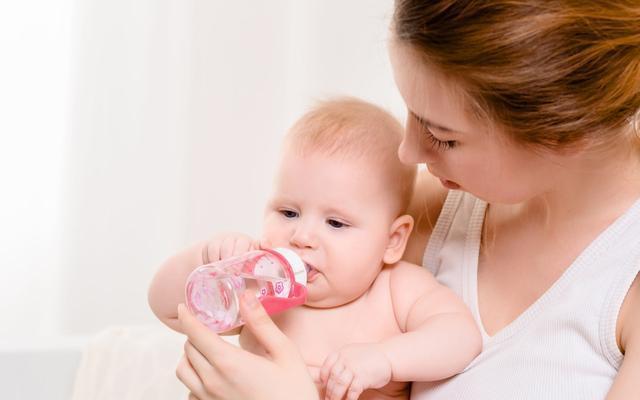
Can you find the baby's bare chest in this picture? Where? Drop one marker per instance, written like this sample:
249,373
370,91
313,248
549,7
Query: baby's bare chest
319,332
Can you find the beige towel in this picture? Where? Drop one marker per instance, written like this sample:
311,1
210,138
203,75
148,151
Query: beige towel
132,363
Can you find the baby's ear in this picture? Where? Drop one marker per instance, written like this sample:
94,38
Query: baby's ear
398,237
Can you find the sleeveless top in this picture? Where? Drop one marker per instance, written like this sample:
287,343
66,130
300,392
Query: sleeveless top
564,345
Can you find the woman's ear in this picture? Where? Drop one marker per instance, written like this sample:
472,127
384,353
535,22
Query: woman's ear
398,237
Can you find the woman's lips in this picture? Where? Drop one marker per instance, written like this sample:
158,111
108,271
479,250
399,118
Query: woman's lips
449,184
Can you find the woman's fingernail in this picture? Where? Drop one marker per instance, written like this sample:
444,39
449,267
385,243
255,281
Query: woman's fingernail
180,309
250,298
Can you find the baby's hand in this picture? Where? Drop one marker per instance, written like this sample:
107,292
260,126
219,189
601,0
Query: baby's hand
353,369
227,245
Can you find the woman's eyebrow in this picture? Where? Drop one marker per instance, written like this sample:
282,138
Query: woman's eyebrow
431,124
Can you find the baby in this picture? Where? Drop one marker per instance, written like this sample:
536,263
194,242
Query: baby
372,323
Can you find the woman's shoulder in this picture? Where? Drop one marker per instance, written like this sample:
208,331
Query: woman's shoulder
628,323
426,203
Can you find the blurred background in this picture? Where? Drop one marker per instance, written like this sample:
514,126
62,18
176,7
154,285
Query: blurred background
130,129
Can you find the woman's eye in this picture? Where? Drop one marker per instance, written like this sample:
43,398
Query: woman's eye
288,213
437,143
335,223
434,141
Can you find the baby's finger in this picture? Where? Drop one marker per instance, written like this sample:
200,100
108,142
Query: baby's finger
242,245
226,248
314,372
213,251
355,389
265,244
315,375
339,381
255,245
325,370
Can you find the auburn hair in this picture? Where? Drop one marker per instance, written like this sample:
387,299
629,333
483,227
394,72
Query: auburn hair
550,72
350,128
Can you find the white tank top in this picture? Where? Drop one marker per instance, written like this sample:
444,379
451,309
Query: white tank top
564,345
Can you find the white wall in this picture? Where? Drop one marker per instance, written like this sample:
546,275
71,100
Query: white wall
35,58
176,113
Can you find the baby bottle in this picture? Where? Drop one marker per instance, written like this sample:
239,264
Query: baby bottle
278,277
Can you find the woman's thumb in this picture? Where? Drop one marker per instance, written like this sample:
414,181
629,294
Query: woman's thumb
261,325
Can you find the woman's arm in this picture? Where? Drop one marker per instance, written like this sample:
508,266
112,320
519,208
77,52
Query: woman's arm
625,385
167,287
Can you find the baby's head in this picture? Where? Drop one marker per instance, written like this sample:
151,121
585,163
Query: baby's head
340,198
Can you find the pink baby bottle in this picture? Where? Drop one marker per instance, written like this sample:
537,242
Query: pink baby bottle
277,275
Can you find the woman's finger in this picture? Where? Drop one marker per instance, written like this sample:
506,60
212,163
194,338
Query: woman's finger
203,367
188,376
266,332
210,345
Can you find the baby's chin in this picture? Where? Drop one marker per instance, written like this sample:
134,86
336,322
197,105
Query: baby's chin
315,299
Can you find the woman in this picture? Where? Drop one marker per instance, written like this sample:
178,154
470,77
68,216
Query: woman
527,112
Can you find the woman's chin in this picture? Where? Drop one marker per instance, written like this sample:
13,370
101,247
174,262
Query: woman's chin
449,184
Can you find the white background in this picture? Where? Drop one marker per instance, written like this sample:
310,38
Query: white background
130,129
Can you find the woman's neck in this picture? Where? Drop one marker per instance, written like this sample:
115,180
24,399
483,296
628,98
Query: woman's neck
591,190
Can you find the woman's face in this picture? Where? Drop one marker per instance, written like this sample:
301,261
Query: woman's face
459,149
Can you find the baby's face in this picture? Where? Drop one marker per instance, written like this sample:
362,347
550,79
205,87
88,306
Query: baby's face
336,214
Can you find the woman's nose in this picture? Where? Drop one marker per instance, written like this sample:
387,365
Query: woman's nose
410,152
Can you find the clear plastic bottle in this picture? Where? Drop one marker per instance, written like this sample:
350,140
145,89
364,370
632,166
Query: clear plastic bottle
277,275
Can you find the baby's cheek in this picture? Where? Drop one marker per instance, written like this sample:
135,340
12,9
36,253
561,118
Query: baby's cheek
273,235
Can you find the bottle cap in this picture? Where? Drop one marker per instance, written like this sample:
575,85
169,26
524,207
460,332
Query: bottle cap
296,263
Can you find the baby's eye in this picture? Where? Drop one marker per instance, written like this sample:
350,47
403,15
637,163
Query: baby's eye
334,223
288,213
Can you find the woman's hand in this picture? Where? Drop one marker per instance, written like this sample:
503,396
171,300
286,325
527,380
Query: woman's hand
214,369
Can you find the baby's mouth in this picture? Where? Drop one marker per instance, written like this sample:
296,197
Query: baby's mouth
311,271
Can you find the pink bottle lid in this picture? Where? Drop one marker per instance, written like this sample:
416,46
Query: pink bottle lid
297,274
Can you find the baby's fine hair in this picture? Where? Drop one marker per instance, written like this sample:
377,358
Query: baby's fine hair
550,72
350,128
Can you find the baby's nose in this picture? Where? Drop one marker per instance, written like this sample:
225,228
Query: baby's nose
303,237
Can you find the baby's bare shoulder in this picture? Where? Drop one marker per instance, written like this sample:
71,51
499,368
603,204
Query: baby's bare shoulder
405,273
404,279
414,289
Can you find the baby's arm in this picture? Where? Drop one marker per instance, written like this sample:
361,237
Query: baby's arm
167,287
441,337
